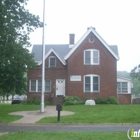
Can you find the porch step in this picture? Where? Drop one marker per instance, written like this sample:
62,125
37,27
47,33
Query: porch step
58,100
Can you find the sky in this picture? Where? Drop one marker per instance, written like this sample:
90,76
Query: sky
116,21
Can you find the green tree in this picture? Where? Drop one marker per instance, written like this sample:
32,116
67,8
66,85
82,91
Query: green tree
135,73
136,86
16,24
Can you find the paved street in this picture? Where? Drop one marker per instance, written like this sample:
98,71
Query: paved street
110,128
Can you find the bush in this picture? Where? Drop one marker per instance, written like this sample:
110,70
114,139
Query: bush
101,101
34,102
112,100
72,100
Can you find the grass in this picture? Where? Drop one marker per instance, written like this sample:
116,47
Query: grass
98,114
65,136
7,108
83,114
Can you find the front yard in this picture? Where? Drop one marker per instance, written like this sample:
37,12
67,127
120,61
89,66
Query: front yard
83,114
5,109
98,114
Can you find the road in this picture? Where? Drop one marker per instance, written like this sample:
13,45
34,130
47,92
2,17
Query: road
59,127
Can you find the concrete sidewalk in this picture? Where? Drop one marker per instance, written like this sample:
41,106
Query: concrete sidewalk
30,117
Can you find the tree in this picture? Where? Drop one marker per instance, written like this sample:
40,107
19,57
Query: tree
136,86
135,73
16,24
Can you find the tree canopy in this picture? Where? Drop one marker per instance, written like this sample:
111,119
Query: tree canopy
16,24
135,73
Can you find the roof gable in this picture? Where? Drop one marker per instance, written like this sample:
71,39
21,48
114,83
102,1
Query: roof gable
56,54
60,50
91,29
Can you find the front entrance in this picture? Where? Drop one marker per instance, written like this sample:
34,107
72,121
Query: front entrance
60,87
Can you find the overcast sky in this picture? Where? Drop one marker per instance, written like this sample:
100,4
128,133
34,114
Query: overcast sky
117,21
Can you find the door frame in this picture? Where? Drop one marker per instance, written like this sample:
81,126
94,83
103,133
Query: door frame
63,87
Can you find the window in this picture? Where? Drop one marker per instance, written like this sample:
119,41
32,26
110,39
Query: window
36,85
122,87
47,85
33,85
91,83
91,57
39,85
52,62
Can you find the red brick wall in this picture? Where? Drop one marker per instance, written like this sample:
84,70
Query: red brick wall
50,73
106,70
124,98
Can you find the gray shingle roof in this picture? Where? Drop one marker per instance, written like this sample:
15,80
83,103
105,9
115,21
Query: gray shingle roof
114,48
61,50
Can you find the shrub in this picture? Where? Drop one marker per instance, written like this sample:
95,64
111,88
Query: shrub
101,101
72,100
34,102
112,100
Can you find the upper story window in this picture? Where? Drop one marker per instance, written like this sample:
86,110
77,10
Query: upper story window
122,87
91,83
91,57
52,62
36,85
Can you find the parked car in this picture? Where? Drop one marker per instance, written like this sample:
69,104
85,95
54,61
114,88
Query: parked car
17,99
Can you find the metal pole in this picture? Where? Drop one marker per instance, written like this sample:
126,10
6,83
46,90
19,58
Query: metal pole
43,61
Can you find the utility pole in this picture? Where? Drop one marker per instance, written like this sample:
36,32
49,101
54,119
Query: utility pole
43,61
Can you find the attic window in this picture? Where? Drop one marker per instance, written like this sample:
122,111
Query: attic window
91,40
52,62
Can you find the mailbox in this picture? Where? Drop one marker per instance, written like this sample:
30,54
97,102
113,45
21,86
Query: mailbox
59,107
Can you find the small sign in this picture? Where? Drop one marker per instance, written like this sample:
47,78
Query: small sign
75,78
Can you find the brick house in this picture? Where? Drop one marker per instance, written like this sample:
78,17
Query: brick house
87,69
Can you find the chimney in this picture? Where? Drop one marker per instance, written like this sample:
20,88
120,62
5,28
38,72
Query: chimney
71,40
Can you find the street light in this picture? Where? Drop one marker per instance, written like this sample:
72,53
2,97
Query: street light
43,61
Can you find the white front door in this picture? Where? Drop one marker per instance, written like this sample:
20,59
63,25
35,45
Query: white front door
60,87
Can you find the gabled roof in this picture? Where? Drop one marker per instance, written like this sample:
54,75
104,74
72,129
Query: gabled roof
63,51
56,54
59,50
112,49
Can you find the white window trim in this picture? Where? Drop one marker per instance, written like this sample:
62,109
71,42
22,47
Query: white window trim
50,85
49,61
91,60
121,87
37,85
91,85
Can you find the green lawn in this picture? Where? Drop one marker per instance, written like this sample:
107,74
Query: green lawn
83,114
7,108
65,136
98,114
